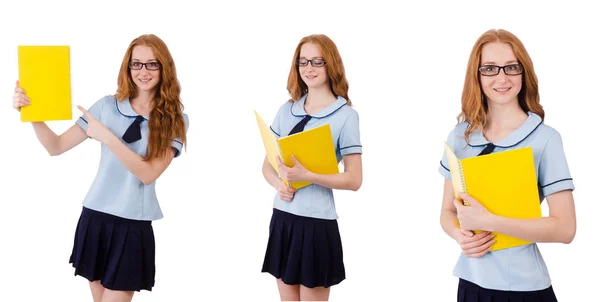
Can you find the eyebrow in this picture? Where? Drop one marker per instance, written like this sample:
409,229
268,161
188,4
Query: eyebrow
151,60
494,63
302,57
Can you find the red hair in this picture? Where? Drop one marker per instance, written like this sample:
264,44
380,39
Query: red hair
334,67
474,106
166,117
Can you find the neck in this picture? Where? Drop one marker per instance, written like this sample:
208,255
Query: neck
320,96
142,103
504,117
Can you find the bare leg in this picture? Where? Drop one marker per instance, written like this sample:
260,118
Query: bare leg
288,292
319,293
97,290
117,296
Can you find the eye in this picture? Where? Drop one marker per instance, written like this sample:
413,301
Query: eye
302,62
153,65
136,64
489,68
319,62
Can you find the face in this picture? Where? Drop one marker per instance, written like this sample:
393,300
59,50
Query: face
144,79
312,76
501,88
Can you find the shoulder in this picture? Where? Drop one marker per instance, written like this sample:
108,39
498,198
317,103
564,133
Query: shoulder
459,130
286,107
108,100
546,132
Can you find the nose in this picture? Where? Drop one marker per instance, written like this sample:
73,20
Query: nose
501,76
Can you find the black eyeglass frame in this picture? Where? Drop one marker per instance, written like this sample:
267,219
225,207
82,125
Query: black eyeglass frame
144,65
500,68
310,62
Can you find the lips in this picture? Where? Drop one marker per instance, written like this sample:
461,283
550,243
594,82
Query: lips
502,89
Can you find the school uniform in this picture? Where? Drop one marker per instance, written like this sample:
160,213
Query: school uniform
114,240
304,241
518,273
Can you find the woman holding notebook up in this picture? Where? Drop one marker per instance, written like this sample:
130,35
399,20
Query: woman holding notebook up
141,129
501,111
304,251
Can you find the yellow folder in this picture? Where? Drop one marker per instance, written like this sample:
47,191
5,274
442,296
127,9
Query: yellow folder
44,74
505,183
312,148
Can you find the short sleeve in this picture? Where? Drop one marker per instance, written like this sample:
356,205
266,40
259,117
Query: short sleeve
444,168
349,141
554,175
276,125
95,111
177,143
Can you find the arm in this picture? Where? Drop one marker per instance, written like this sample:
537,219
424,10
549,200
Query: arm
448,218
350,179
472,245
54,144
58,144
146,171
285,193
559,226
270,174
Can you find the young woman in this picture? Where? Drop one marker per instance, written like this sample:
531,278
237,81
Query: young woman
141,129
304,251
501,111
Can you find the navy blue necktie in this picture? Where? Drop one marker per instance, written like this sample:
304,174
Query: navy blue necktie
488,149
134,133
300,126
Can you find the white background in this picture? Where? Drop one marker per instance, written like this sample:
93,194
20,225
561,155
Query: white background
406,67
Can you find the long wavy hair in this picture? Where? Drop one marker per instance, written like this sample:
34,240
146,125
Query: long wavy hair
474,103
334,67
166,116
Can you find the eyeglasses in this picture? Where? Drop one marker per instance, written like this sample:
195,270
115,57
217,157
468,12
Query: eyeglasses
140,65
492,70
313,62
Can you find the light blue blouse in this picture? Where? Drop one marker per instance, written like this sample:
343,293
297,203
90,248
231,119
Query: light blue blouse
520,268
314,200
115,190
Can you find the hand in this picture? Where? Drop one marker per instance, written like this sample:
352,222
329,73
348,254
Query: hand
296,173
285,193
19,98
96,129
474,246
472,217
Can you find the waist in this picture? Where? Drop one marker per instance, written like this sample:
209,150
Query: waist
520,268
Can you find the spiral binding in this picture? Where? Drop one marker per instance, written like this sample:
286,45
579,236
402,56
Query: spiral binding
463,183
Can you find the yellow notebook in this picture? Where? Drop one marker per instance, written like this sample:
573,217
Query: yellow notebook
313,148
505,183
44,74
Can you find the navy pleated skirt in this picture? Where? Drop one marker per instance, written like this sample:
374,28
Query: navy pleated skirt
117,251
304,250
471,292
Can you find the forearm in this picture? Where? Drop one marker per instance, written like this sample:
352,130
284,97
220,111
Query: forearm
47,138
449,223
545,229
143,170
340,181
270,174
